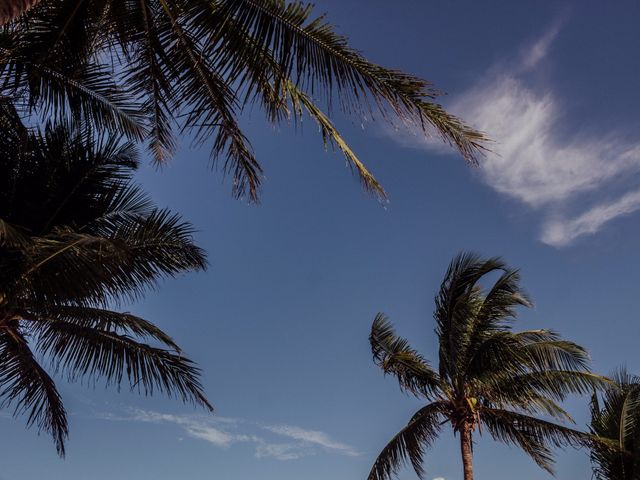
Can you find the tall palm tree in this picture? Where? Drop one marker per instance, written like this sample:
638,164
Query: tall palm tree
76,237
616,417
146,67
488,376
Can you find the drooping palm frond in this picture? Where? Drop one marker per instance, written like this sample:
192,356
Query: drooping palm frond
105,321
26,386
489,376
195,65
410,443
536,364
310,53
83,351
394,356
534,436
301,102
615,419
48,88
77,235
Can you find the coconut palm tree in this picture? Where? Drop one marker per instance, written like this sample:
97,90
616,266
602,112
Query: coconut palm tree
616,417
488,378
149,67
76,238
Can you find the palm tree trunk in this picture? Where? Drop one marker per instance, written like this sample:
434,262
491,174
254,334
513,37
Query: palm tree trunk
467,451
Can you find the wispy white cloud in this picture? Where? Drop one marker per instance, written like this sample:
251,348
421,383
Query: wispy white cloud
439,478
540,162
194,426
562,232
533,54
282,451
312,437
224,432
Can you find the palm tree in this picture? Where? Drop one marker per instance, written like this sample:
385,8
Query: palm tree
148,67
488,376
617,418
76,237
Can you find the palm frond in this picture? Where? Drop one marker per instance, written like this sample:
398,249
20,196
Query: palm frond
211,102
546,350
532,435
97,268
80,351
88,94
75,235
142,67
12,236
457,304
313,56
102,320
616,422
553,384
410,443
331,136
25,385
394,356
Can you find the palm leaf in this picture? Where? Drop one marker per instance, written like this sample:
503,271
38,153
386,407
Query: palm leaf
331,136
532,435
80,351
103,320
310,53
25,384
410,443
394,356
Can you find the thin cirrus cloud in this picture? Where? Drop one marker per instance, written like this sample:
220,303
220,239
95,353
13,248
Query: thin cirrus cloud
573,180
312,437
280,442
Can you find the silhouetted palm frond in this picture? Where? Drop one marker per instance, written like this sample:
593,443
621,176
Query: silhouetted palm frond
76,236
615,419
148,67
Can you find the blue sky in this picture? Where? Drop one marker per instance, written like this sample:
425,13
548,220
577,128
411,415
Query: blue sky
279,322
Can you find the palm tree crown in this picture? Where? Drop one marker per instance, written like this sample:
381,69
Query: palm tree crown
147,67
488,376
616,418
75,237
